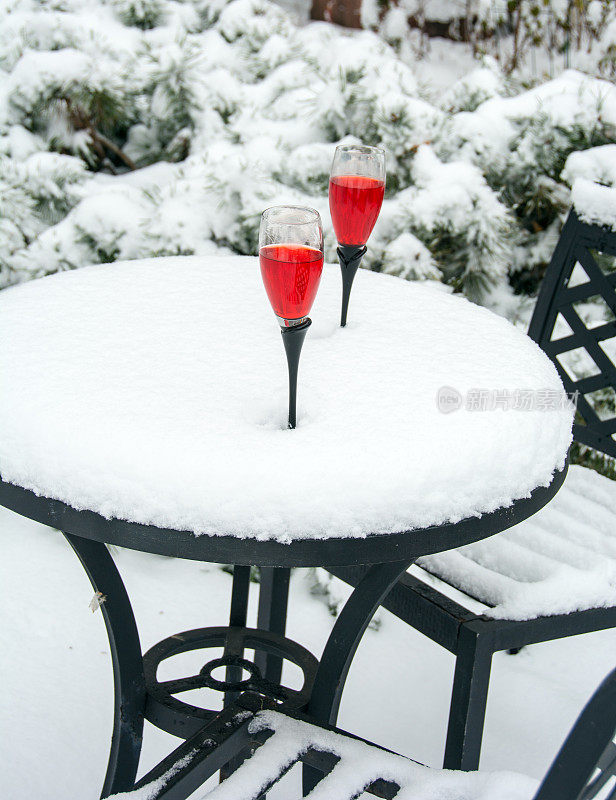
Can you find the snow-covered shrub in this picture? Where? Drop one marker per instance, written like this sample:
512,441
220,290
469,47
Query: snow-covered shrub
307,167
142,14
35,192
252,22
170,100
597,164
453,211
607,50
470,91
72,99
197,115
407,257
402,125
530,136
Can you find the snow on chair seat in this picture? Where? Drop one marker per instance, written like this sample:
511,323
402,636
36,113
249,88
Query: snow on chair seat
271,742
355,767
563,559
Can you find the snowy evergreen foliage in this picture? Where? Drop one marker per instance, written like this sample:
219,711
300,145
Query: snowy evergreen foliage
132,128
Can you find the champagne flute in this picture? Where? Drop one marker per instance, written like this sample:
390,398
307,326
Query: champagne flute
291,258
356,190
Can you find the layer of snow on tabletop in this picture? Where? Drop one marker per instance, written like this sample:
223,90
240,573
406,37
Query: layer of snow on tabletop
156,391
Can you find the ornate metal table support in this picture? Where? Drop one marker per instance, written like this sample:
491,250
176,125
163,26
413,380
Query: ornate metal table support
349,258
184,720
138,693
342,644
128,678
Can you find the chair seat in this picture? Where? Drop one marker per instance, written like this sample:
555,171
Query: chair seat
562,559
261,741
351,766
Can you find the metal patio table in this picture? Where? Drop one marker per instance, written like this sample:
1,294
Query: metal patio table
139,695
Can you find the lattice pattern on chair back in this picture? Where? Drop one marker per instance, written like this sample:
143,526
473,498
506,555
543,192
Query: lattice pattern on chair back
575,289
585,767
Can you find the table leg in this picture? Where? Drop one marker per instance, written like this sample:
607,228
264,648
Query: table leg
342,644
272,616
128,680
237,619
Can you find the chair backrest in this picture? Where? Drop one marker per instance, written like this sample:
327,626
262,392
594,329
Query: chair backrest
561,300
586,763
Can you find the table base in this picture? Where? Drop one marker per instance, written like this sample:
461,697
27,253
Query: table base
140,695
181,719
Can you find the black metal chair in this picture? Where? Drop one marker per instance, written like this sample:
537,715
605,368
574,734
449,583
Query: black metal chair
267,744
474,637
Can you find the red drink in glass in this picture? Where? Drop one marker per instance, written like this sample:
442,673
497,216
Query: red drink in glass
354,203
291,274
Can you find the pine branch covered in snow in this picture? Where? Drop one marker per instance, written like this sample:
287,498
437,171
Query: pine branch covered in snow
134,128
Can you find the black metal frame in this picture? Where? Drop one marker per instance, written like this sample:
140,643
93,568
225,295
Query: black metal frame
576,242
138,693
581,770
227,739
587,759
128,678
474,638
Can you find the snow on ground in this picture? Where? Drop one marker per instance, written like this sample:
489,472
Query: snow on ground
181,418
56,704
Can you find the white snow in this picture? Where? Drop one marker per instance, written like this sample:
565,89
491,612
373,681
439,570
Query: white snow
472,89
597,164
560,560
407,257
359,765
155,391
571,98
248,104
55,663
148,791
502,124
594,203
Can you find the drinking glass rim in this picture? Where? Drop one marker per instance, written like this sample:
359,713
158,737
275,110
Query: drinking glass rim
312,212
361,148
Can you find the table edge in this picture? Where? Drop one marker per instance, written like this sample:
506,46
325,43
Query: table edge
223,549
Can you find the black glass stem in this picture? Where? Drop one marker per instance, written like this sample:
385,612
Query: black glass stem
350,257
293,339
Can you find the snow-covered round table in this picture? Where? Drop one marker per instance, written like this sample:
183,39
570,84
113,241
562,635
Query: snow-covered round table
143,404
